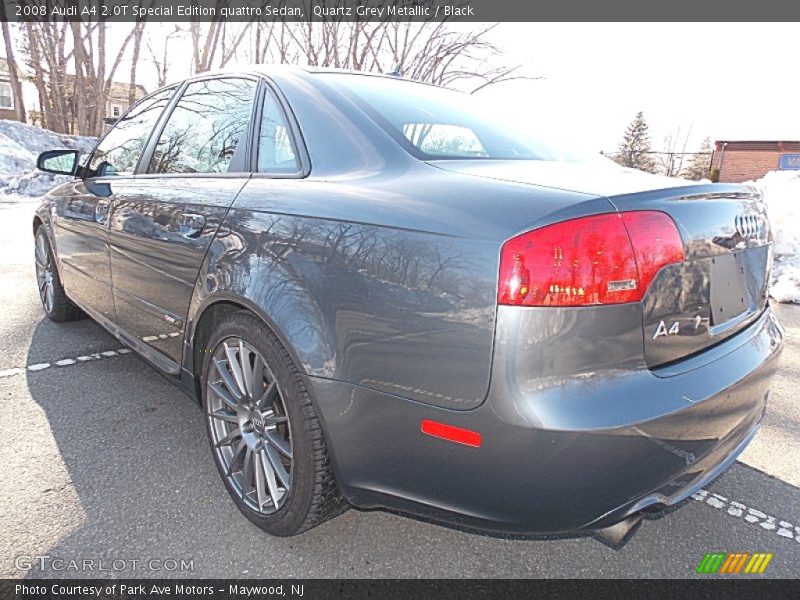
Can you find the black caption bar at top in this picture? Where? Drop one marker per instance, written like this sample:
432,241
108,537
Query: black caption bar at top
399,10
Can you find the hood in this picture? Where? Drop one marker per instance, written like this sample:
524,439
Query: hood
596,177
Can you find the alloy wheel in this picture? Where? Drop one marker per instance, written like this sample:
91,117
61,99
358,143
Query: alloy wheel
249,425
44,274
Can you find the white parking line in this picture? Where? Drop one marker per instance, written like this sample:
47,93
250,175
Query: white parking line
64,362
160,336
784,529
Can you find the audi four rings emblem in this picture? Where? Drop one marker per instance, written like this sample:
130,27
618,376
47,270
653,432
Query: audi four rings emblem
747,225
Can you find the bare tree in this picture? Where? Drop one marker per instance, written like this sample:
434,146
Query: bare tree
79,103
13,70
211,45
138,31
433,52
161,61
44,45
671,160
75,103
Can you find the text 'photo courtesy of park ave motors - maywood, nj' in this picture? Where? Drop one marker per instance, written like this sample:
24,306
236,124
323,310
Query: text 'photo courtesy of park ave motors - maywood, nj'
161,589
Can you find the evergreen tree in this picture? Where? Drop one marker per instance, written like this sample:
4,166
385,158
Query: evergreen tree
699,166
634,150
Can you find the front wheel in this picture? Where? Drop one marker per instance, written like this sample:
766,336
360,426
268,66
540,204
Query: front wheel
57,306
264,432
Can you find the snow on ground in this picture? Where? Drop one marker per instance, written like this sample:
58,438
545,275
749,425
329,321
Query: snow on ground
20,145
781,190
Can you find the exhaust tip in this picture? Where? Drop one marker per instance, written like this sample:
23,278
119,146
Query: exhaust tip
617,535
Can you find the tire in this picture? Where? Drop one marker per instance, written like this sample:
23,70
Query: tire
57,306
272,414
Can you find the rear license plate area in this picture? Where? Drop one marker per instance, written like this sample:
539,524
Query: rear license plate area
730,296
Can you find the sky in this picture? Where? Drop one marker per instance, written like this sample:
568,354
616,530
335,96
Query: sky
726,81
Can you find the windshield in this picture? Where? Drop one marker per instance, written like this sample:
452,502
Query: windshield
437,123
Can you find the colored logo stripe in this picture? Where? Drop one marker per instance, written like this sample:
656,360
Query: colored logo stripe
720,562
734,562
711,562
758,564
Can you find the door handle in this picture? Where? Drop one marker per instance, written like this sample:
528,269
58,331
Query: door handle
101,212
191,225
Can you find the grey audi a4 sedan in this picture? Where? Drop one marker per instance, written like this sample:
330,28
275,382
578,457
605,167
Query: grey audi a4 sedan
382,295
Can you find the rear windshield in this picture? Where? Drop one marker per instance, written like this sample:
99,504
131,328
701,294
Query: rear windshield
437,123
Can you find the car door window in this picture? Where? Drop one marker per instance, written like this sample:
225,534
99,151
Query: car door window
204,131
276,153
119,151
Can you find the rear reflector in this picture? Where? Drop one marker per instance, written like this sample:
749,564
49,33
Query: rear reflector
601,259
451,434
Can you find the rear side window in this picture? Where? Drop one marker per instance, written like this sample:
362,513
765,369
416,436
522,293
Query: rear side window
205,132
119,151
276,152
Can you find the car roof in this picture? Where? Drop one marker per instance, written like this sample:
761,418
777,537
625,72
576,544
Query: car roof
277,70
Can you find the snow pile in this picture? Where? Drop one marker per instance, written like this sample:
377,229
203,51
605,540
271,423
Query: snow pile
781,190
20,145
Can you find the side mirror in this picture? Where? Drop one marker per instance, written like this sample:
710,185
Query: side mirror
60,162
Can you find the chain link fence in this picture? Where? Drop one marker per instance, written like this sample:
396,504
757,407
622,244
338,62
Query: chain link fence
691,165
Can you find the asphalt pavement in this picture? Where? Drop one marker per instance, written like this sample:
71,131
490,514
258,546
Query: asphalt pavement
106,471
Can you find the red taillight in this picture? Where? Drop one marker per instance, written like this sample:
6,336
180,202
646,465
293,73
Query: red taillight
602,259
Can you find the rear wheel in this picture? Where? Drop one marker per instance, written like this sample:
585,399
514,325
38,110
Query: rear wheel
265,436
57,306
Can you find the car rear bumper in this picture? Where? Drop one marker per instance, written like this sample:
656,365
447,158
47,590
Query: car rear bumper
696,475
564,452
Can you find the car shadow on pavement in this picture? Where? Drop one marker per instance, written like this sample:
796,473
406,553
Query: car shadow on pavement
140,485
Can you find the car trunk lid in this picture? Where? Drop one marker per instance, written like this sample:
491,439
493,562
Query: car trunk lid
600,177
721,286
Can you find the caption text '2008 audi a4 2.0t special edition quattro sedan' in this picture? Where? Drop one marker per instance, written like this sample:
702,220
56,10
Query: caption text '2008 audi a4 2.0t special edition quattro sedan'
384,296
